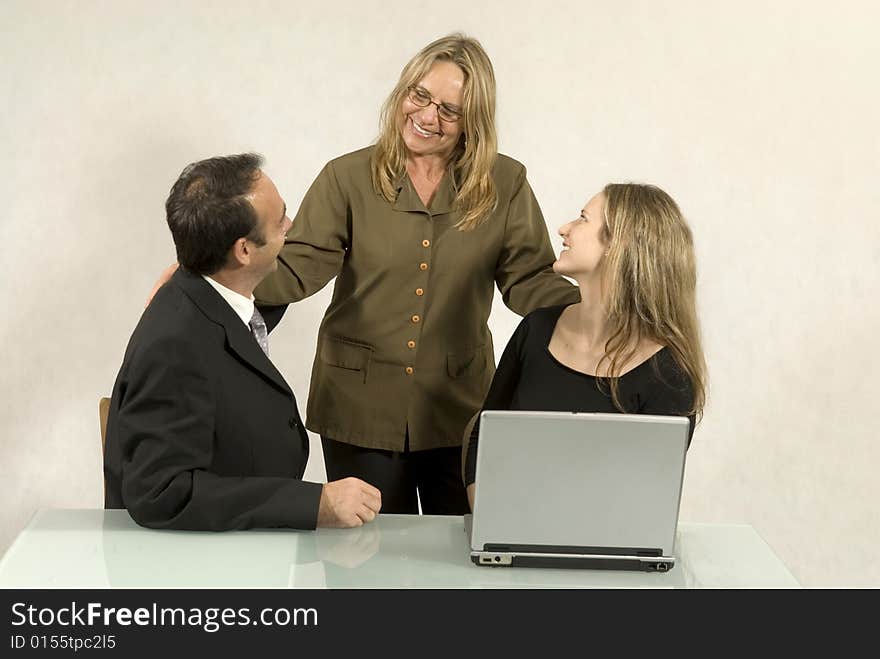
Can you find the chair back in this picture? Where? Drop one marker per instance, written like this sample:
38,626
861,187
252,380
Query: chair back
103,413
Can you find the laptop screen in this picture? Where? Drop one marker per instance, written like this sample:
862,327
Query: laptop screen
576,483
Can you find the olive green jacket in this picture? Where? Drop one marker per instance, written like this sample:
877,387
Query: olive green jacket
404,343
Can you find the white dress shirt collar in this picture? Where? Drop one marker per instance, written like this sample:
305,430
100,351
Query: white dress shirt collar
241,305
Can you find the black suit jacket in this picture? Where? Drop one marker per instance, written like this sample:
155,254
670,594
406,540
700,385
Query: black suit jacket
203,431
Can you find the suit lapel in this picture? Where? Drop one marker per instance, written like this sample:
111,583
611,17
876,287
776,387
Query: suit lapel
238,338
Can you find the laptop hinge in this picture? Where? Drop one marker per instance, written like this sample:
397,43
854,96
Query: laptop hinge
569,549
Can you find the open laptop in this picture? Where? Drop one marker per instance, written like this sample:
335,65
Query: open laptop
582,490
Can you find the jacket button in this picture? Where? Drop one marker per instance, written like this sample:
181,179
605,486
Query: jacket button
291,422
410,344
409,370
416,318
420,291
423,266
426,243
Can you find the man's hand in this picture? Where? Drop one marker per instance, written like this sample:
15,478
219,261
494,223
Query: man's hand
348,502
164,277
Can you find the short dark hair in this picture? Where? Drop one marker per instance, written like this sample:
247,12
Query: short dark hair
207,210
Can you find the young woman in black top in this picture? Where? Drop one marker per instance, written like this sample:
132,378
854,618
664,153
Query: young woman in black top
632,345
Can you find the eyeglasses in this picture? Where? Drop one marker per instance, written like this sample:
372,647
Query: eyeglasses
421,97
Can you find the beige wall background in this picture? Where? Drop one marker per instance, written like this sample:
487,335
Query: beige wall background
759,118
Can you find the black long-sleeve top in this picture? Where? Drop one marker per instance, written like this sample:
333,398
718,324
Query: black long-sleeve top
529,377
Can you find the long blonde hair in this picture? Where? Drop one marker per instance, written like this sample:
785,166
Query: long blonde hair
471,162
650,280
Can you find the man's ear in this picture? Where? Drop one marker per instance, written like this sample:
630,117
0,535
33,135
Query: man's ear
239,253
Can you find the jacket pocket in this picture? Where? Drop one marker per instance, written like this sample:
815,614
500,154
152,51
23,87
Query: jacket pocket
466,364
347,354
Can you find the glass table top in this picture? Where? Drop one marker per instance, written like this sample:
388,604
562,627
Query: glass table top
106,548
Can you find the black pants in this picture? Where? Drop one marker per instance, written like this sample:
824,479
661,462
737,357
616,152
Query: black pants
436,473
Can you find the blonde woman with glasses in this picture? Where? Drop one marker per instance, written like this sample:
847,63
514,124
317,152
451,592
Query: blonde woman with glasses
417,229
632,344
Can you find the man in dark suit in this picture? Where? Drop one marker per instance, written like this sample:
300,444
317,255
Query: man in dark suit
203,432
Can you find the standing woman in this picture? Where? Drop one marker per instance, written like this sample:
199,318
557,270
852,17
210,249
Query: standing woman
417,229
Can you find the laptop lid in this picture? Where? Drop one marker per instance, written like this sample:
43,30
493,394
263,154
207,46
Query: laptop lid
578,483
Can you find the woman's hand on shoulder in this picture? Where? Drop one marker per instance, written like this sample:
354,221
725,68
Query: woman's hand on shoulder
163,278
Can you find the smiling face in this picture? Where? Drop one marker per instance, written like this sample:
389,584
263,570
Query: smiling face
584,240
422,129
